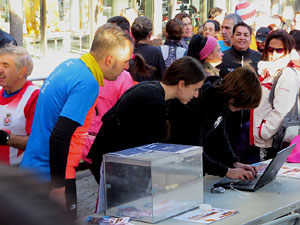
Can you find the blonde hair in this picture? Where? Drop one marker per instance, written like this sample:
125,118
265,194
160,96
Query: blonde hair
109,38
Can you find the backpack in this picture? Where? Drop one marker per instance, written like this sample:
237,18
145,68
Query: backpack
171,53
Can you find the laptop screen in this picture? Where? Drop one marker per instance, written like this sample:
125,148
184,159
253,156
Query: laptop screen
274,166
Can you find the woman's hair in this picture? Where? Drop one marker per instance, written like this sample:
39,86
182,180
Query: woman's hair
242,86
195,46
182,15
296,35
141,28
138,65
121,22
174,28
216,24
25,200
287,40
187,69
203,45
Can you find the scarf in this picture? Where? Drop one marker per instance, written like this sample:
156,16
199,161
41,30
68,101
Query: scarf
269,68
91,63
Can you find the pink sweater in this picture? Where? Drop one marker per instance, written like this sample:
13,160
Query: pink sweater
107,97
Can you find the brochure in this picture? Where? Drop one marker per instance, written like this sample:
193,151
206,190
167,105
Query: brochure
289,171
108,220
164,147
130,152
206,216
285,171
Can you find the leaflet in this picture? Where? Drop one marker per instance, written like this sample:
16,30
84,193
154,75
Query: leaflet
108,220
289,171
206,216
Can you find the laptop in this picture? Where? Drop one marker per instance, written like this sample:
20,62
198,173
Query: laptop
262,179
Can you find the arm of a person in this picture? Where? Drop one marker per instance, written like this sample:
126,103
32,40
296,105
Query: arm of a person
228,153
284,100
17,141
229,166
59,148
213,167
241,171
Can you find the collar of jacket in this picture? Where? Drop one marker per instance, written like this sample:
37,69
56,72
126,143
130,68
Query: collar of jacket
210,69
240,53
173,42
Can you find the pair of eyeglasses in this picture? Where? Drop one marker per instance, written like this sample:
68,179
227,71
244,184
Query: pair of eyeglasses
277,50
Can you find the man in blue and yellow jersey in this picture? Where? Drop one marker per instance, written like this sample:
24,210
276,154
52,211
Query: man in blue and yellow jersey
64,111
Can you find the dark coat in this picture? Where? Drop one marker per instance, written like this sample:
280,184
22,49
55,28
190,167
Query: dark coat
233,59
154,58
201,123
137,118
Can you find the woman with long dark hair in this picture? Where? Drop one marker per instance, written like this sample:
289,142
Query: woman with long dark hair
139,116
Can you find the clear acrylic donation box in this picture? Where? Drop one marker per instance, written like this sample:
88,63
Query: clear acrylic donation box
153,182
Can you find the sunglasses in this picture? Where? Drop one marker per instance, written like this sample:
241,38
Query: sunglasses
278,50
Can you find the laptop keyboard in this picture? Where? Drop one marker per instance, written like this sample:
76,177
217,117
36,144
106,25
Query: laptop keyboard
248,182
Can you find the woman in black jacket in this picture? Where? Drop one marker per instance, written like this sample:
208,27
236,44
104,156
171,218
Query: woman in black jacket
139,116
141,30
201,122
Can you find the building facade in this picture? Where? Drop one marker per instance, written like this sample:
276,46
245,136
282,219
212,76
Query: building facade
70,24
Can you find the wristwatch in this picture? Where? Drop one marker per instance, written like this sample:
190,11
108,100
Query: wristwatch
7,138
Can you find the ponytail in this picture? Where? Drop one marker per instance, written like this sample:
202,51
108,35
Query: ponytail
139,65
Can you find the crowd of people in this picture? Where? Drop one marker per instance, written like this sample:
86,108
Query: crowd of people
209,89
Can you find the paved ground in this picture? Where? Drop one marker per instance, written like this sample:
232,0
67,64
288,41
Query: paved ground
87,191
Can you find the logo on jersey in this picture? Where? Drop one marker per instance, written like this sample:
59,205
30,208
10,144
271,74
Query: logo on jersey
7,120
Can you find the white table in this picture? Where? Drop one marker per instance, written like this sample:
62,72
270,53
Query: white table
276,199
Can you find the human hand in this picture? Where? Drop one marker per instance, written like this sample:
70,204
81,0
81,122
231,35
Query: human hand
58,194
239,173
4,137
251,168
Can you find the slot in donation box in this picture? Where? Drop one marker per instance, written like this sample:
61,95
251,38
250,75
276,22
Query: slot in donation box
153,182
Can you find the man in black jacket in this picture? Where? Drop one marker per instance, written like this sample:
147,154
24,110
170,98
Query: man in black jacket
6,38
239,54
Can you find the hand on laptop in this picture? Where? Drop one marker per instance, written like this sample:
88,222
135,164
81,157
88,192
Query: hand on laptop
242,171
251,168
